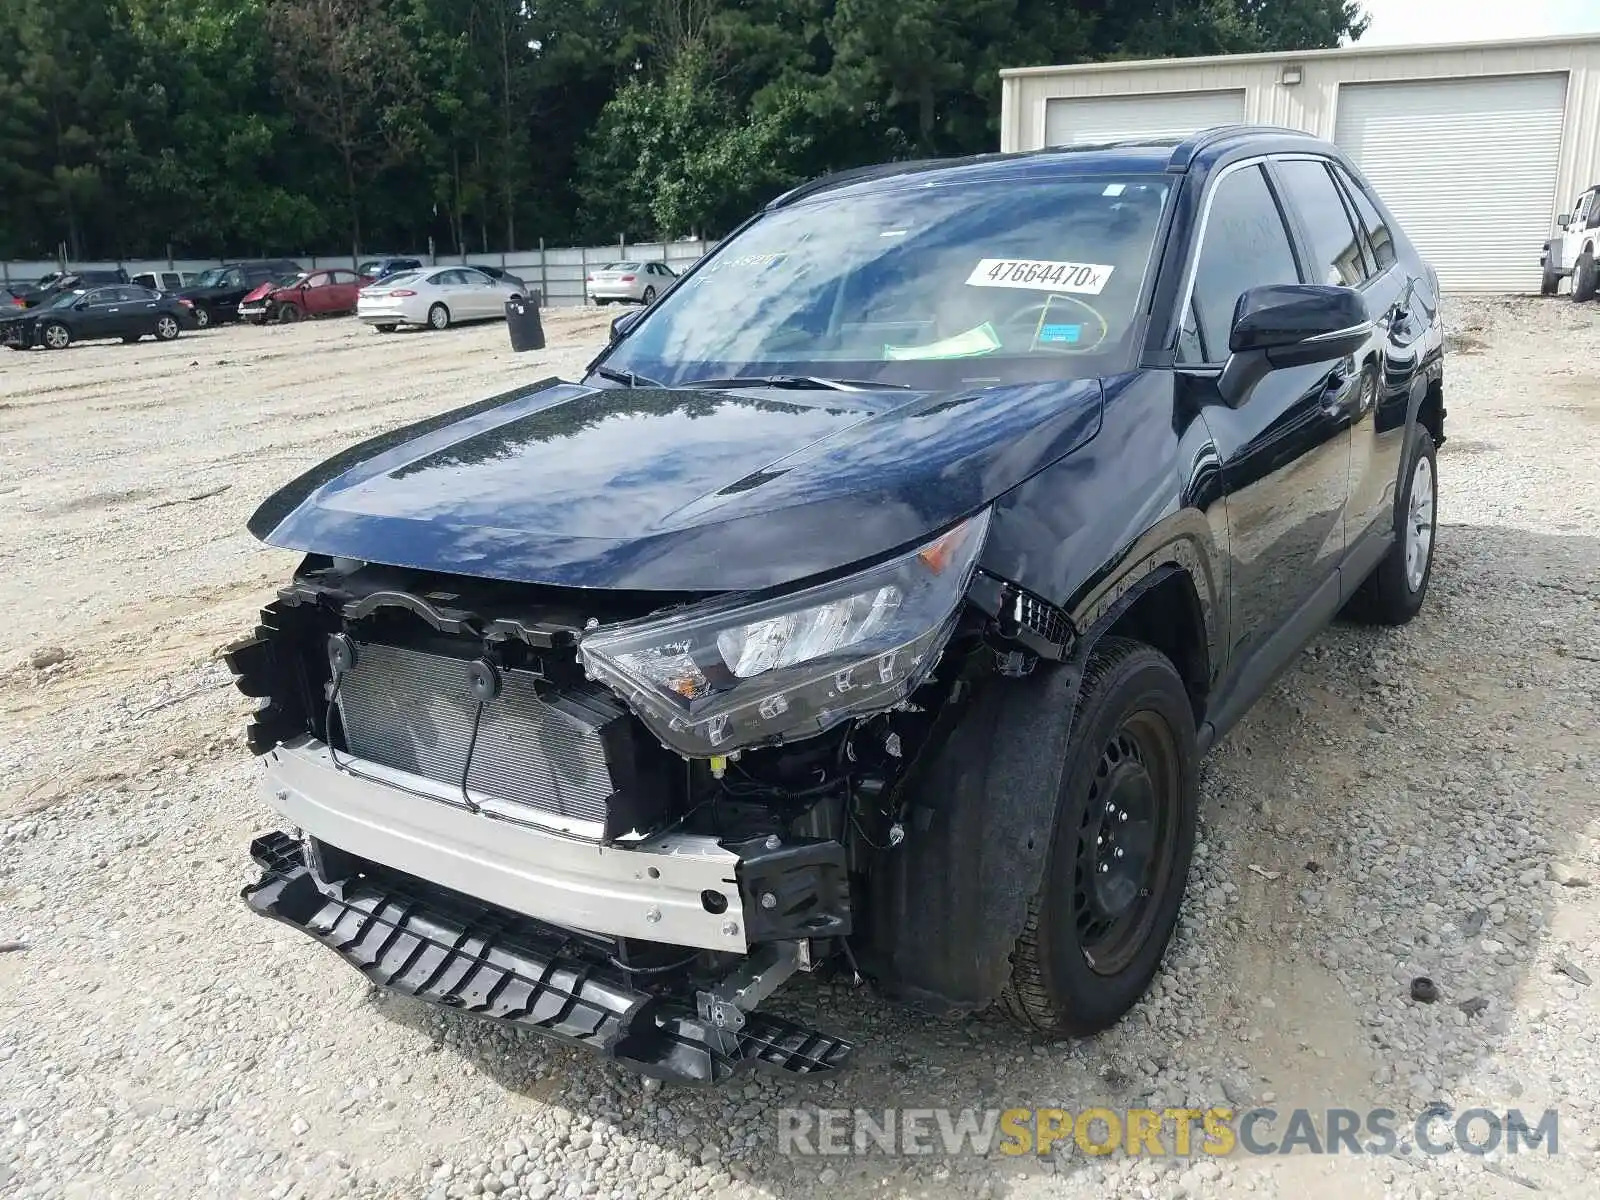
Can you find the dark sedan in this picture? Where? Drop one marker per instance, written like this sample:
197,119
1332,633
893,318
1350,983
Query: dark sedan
126,311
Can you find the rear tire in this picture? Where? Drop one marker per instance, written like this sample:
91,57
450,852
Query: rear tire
439,317
650,295
385,328
1119,854
202,317
1585,277
1398,585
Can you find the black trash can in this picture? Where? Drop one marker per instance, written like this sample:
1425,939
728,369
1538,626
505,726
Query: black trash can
522,320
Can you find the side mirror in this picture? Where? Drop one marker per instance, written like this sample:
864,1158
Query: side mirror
624,323
1564,219
1291,325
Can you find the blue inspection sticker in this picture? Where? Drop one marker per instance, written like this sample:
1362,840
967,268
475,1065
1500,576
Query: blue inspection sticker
1060,333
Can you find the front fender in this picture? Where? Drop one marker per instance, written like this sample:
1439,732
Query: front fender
950,902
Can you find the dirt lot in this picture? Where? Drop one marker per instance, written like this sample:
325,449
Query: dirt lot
1422,802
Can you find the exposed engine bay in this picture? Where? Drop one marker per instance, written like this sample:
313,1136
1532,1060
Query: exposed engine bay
486,817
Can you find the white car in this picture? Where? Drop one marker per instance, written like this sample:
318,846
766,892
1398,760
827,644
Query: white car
1575,249
437,297
640,282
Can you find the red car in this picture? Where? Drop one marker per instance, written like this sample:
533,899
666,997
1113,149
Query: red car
313,294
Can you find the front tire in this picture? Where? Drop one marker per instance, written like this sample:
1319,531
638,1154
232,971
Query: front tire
438,317
1550,282
55,336
1398,585
288,314
1119,855
1585,277
166,329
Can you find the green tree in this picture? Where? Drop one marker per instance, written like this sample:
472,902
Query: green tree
345,69
674,157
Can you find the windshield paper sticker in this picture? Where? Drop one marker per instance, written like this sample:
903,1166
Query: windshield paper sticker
1060,333
1041,275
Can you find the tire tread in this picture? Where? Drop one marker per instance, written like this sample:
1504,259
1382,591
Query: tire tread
1026,998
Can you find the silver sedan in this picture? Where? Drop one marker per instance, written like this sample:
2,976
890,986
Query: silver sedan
437,297
638,281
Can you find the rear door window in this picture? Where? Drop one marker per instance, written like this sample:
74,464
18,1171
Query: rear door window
1376,229
1336,256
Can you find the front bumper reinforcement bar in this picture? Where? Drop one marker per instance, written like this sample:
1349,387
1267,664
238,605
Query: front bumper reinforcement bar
450,949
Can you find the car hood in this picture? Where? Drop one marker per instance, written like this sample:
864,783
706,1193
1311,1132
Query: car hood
676,490
259,293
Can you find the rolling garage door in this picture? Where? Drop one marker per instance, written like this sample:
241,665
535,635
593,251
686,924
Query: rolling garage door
1105,118
1467,165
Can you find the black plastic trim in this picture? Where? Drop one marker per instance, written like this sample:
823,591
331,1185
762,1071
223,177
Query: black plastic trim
809,882
449,949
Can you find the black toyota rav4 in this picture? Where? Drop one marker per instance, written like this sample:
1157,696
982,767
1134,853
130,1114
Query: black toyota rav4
866,607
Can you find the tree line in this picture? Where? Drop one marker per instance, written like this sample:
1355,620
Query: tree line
213,127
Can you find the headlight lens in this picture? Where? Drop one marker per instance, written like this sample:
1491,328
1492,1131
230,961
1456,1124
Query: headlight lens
734,673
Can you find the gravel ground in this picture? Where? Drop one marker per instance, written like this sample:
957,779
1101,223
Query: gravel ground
1418,802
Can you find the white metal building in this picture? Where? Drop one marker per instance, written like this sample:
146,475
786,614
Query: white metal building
1476,147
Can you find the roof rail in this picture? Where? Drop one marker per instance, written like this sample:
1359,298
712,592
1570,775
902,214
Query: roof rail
1184,155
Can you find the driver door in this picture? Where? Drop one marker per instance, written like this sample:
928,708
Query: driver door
99,314
481,293
315,294
1284,446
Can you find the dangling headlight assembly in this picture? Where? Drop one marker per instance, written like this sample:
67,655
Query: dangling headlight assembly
733,673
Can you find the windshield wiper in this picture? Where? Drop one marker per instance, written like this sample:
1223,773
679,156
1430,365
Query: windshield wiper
810,382
629,378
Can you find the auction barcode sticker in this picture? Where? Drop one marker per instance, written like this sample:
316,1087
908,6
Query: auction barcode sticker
1040,274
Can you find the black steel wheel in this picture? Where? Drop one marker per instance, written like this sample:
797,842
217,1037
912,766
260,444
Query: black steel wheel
1125,839
1119,857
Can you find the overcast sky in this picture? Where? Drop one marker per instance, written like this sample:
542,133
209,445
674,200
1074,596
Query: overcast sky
1400,21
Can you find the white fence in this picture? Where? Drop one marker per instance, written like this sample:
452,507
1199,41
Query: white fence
557,271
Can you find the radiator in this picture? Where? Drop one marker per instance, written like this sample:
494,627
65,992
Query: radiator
411,710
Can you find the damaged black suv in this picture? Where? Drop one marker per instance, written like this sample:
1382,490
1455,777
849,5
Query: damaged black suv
866,608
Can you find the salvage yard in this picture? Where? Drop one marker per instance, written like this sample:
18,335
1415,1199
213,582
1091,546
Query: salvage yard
1422,802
